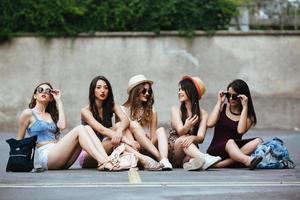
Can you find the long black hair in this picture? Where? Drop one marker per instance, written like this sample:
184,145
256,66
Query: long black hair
241,87
192,93
107,105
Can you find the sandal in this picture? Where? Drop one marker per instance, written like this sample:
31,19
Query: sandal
254,162
108,165
151,165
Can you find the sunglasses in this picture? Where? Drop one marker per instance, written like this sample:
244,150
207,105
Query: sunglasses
42,90
230,95
144,91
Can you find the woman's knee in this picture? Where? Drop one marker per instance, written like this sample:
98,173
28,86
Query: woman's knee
117,125
258,141
79,128
134,125
230,142
161,130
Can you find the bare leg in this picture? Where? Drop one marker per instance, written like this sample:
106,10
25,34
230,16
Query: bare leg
246,149
140,136
89,161
236,154
77,138
162,142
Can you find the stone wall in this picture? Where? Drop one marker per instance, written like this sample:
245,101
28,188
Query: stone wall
268,61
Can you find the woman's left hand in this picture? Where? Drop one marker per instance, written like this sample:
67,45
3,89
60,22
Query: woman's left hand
56,94
244,100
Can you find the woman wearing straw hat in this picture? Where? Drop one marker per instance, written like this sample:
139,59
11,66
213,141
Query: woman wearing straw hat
189,127
143,120
98,115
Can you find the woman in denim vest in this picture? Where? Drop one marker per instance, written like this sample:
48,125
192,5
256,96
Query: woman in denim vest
45,118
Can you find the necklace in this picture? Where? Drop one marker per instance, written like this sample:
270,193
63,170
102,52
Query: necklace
233,112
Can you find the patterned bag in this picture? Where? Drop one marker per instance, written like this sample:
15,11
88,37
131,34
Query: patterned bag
275,155
123,159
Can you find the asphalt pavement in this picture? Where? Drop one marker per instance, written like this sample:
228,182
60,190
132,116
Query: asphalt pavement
76,183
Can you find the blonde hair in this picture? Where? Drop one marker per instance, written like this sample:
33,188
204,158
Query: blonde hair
135,105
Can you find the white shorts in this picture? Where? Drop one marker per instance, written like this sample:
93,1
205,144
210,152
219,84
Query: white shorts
43,154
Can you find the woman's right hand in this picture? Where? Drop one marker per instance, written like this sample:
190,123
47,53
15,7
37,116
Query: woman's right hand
116,139
134,144
221,96
191,121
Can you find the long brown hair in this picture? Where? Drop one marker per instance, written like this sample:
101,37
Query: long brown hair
51,107
136,104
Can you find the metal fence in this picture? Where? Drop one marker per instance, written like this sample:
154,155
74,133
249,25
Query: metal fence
268,15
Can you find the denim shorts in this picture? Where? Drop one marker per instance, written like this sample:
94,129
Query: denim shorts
43,154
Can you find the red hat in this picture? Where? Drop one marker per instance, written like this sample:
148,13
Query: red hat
198,84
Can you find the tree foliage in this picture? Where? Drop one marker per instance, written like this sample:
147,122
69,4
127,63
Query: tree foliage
71,17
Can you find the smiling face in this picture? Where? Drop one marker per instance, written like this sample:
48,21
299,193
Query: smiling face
101,90
182,96
145,93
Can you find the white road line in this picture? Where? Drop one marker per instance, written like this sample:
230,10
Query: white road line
152,184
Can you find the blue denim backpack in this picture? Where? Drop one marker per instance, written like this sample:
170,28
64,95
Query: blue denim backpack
275,155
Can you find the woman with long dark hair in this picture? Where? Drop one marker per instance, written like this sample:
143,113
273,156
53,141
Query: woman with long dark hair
188,123
45,118
99,114
232,119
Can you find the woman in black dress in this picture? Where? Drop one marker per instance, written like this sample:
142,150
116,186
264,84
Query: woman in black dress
231,121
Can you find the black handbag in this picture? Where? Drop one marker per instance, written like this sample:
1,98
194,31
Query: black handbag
21,155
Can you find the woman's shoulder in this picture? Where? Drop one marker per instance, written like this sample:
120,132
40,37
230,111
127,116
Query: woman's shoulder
175,108
27,112
85,109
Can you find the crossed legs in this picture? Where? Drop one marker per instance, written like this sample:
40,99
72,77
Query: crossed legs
238,154
139,134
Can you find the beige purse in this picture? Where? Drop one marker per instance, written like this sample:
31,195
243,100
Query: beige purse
122,159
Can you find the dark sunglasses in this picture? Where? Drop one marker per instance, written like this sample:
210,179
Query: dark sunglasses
230,95
144,91
42,90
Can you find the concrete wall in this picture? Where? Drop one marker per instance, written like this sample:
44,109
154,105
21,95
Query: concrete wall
270,63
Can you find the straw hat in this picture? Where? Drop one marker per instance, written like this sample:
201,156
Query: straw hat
136,80
198,84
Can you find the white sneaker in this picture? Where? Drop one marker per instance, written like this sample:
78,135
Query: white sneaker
210,160
193,164
166,164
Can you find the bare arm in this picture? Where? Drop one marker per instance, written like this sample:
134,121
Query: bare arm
153,127
177,123
88,117
244,122
24,121
199,138
202,128
215,113
61,123
124,123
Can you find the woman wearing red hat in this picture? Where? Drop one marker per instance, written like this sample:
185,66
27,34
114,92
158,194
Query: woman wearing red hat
232,119
143,120
189,127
